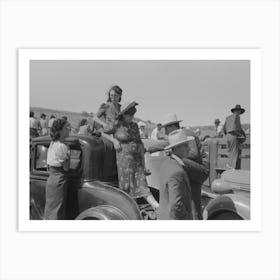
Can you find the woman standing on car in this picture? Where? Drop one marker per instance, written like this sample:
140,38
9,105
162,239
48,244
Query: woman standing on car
130,156
107,114
58,160
109,111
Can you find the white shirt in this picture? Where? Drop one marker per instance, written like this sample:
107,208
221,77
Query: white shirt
51,122
33,123
57,154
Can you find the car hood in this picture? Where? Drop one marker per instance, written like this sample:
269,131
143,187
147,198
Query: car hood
232,181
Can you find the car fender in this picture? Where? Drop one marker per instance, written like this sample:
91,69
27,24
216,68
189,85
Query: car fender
96,193
235,203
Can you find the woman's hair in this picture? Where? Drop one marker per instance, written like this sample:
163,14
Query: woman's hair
31,114
117,90
43,115
56,128
83,122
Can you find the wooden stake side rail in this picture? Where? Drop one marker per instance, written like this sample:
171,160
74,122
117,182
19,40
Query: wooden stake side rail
218,156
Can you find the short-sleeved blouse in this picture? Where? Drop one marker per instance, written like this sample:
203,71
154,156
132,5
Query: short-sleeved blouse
108,112
58,152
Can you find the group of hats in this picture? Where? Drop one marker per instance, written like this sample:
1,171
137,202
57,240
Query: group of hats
176,137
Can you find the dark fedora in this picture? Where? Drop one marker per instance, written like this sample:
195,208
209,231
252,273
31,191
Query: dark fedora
238,108
127,106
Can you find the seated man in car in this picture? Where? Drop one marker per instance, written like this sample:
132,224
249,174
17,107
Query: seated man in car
196,162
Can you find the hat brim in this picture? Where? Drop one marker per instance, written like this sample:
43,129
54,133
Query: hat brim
179,143
165,124
236,109
131,105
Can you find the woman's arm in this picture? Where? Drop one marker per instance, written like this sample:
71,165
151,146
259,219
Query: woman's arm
102,110
116,143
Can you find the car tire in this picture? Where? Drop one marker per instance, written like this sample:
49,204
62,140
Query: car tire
227,216
102,212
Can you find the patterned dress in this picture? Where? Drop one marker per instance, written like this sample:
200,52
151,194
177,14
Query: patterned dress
130,160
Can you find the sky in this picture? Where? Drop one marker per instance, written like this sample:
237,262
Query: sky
198,91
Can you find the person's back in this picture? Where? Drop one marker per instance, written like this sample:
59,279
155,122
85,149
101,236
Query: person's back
175,192
84,130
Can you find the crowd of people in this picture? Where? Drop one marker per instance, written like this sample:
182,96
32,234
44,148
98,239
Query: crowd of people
181,174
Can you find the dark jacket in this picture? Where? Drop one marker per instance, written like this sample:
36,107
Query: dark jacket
175,192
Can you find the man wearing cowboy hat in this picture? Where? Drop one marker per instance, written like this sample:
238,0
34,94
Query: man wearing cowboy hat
196,163
235,136
175,189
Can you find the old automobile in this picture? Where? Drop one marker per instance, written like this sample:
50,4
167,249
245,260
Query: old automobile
229,196
92,191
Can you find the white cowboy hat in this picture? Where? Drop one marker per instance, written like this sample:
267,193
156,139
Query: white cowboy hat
177,137
170,119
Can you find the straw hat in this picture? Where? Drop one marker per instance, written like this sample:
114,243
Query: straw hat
238,108
177,137
170,119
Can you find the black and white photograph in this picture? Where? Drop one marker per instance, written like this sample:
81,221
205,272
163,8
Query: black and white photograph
138,139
